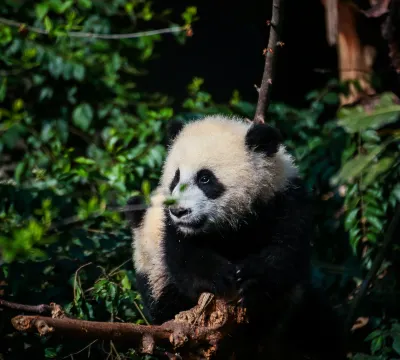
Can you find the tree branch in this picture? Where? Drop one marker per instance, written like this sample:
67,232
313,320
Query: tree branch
264,92
77,34
53,309
197,337
38,309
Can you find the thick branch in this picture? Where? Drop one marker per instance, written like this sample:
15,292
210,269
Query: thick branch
196,332
264,92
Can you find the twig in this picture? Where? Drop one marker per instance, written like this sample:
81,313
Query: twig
76,219
79,34
375,267
37,309
76,280
264,92
81,350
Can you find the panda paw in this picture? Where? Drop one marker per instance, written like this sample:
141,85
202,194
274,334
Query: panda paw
248,288
225,283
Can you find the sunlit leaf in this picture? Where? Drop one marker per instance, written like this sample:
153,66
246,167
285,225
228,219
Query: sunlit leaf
356,166
356,119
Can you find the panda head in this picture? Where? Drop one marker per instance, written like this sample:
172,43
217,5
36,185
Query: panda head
217,167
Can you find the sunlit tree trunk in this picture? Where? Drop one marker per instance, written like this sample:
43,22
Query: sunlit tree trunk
355,60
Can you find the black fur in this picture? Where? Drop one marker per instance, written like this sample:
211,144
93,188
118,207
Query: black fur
212,188
134,216
173,129
263,138
271,251
175,180
167,306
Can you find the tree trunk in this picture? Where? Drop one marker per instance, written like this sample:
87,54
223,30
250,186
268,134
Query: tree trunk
355,59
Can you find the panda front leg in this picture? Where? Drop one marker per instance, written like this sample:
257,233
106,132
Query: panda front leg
265,280
170,301
196,270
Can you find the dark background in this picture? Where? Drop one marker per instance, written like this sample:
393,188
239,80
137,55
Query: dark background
226,50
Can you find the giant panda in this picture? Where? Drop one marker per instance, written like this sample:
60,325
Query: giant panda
239,228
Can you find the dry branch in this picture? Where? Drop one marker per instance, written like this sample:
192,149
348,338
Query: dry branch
197,339
37,309
264,92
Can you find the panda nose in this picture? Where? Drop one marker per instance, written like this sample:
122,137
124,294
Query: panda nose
179,212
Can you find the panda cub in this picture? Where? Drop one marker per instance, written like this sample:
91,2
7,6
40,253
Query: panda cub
240,228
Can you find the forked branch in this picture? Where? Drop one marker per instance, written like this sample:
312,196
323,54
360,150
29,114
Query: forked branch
195,334
264,92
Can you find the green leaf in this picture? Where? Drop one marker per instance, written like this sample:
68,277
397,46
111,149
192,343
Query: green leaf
396,344
19,171
376,344
50,353
373,220
377,169
41,10
56,66
146,188
355,119
82,116
351,219
65,6
48,25
370,136
3,89
87,4
78,72
126,284
396,192
331,98
83,160
356,166
169,201
5,34
354,243
371,237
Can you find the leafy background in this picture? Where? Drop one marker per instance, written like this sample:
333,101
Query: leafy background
78,137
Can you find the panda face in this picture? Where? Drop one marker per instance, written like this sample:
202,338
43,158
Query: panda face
217,167
197,193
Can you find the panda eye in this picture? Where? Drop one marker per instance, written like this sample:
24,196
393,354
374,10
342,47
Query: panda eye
204,179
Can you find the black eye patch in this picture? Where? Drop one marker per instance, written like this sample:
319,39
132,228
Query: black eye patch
209,184
175,180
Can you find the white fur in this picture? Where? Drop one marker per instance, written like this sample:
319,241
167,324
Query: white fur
147,250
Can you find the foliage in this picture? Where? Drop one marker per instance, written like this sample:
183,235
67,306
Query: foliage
78,138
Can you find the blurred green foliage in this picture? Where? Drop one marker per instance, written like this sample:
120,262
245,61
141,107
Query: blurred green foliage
78,138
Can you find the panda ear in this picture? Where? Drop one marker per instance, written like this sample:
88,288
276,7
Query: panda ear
263,138
173,129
